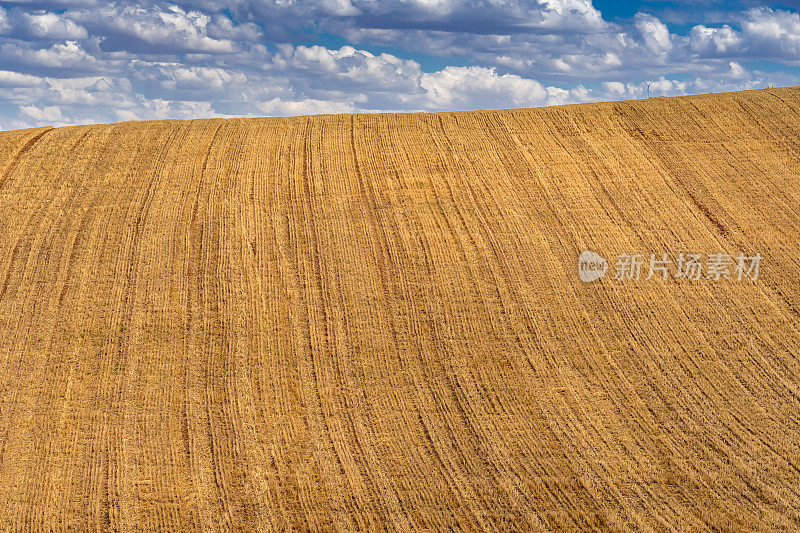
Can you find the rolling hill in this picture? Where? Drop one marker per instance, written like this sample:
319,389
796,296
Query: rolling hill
369,322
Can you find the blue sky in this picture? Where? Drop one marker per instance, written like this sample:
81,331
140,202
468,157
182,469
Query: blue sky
87,61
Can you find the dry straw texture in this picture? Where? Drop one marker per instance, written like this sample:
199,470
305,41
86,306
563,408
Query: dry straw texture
376,322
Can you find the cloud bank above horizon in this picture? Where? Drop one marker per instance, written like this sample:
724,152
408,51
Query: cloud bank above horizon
87,61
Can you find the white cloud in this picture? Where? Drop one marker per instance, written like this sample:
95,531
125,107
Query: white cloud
654,33
351,67
45,25
39,25
157,29
713,41
615,88
467,87
5,23
559,11
737,71
470,16
308,106
153,59
665,86
126,114
44,114
16,79
341,8
66,55
178,76
765,34
771,32
222,27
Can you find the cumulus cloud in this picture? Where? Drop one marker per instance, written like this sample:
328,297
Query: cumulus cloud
349,66
771,33
471,16
44,25
654,34
126,114
90,61
16,79
5,23
714,41
39,25
765,34
172,76
162,30
68,56
308,106
737,71
44,114
471,87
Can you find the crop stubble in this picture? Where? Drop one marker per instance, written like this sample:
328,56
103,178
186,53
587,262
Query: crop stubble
375,321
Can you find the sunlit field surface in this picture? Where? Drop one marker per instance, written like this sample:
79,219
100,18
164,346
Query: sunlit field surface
377,322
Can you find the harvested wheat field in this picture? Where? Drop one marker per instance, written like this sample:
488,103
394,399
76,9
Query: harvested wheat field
377,322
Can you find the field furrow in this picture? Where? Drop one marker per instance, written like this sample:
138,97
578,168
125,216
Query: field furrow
376,322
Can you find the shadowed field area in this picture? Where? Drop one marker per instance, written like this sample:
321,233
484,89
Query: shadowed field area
376,321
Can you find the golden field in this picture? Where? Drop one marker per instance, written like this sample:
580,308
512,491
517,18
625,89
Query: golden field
375,322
